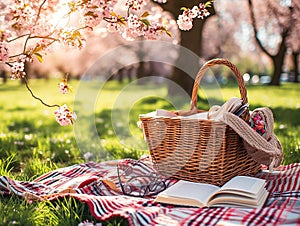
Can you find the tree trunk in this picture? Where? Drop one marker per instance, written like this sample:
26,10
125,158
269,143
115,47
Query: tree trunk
191,40
278,61
296,68
275,81
3,76
141,73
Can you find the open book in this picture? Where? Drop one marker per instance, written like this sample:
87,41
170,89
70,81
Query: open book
240,191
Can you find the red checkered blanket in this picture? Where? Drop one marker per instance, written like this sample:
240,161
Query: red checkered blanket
98,185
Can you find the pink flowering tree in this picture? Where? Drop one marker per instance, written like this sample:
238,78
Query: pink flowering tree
278,20
31,28
191,21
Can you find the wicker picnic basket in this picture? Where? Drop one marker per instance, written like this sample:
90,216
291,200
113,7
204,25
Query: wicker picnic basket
199,150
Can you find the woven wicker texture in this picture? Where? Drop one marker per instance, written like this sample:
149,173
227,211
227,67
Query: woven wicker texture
199,150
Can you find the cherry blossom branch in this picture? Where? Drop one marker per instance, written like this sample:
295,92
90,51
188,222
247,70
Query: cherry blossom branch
16,55
45,37
185,20
25,44
39,12
18,37
35,97
128,11
33,20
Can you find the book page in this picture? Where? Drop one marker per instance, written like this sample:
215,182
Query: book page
244,184
230,200
190,190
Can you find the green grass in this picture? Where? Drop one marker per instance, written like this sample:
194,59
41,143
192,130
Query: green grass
32,143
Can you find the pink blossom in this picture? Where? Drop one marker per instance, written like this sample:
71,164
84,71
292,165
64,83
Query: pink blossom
135,4
184,22
114,27
193,13
23,14
153,33
64,116
4,35
17,66
91,21
129,34
202,13
94,15
133,22
25,58
4,52
64,88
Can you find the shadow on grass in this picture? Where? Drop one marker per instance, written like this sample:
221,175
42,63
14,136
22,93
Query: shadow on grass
19,109
4,87
59,144
42,126
289,116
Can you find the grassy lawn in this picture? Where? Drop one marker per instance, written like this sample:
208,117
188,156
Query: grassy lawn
33,143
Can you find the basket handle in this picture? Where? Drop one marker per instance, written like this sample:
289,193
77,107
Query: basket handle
210,63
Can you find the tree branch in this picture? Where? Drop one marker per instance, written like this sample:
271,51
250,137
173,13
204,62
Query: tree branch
16,38
35,97
255,30
39,12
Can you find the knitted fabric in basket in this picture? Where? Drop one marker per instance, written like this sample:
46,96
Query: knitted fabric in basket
197,149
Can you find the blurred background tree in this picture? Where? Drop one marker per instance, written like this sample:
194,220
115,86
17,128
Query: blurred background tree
275,29
261,38
191,40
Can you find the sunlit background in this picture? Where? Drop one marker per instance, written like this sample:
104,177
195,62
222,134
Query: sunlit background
228,33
